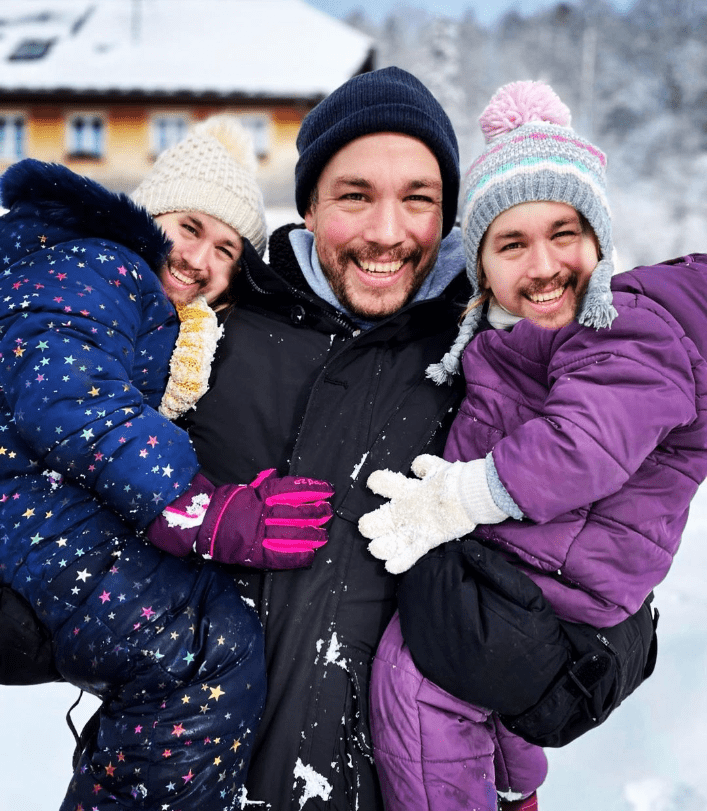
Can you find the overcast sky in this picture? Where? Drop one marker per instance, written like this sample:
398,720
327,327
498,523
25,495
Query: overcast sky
487,11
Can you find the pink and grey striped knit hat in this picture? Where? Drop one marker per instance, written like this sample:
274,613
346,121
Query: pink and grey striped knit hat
532,154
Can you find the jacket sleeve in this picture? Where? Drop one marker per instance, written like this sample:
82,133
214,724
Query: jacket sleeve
613,397
84,331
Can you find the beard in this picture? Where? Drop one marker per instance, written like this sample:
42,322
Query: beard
577,282
184,269
336,266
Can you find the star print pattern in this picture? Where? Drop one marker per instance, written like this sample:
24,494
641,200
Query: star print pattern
189,710
93,359
85,338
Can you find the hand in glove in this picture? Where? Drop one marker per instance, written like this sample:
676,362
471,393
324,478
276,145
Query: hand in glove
272,523
446,502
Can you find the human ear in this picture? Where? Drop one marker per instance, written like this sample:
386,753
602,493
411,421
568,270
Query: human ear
480,275
311,207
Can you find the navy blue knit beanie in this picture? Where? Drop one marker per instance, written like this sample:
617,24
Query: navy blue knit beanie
386,100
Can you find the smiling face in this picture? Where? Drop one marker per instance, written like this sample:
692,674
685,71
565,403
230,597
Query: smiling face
204,257
537,259
377,221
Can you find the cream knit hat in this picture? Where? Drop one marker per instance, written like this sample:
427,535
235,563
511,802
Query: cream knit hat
213,171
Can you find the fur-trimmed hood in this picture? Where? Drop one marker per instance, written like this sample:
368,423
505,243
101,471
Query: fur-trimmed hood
73,206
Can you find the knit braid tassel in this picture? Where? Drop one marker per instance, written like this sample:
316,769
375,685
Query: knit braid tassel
444,371
597,309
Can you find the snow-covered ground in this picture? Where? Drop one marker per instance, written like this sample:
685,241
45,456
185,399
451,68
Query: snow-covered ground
651,755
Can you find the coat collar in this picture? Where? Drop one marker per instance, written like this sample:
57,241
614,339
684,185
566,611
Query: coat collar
73,207
282,287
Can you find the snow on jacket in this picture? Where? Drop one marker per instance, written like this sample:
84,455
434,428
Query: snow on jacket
600,437
335,403
86,333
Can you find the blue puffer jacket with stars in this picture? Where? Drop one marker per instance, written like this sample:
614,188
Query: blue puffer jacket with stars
86,334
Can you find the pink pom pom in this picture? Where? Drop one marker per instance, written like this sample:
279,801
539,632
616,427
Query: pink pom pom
519,103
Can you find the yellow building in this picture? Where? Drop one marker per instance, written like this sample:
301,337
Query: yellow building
103,86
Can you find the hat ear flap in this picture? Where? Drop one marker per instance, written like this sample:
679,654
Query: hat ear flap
597,309
444,371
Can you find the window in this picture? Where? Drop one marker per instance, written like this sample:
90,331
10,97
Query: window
86,136
167,130
259,128
31,49
12,137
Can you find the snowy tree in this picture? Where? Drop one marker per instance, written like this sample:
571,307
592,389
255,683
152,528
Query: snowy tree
636,82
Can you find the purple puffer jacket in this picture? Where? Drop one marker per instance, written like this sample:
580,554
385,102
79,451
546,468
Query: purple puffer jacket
600,437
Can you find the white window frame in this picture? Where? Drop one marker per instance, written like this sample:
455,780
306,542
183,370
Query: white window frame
167,130
13,135
88,141
258,125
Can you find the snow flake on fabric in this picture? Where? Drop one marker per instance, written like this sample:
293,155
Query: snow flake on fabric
357,468
332,652
311,784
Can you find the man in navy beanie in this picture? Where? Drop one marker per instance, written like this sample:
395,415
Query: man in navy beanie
387,100
321,372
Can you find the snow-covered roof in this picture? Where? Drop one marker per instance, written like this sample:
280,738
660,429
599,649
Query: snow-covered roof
254,48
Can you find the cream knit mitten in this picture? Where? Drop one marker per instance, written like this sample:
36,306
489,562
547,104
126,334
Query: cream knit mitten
445,502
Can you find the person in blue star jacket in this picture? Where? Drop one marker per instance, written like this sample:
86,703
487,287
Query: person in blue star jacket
98,485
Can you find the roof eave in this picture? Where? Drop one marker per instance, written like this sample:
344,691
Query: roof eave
62,95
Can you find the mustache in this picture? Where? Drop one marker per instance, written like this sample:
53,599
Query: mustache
375,255
182,266
565,279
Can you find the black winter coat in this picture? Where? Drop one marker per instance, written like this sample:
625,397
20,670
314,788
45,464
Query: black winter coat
297,386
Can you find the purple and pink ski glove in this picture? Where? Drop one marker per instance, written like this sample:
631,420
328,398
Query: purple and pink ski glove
271,523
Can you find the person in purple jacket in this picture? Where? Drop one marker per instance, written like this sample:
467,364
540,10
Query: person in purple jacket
92,469
575,454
